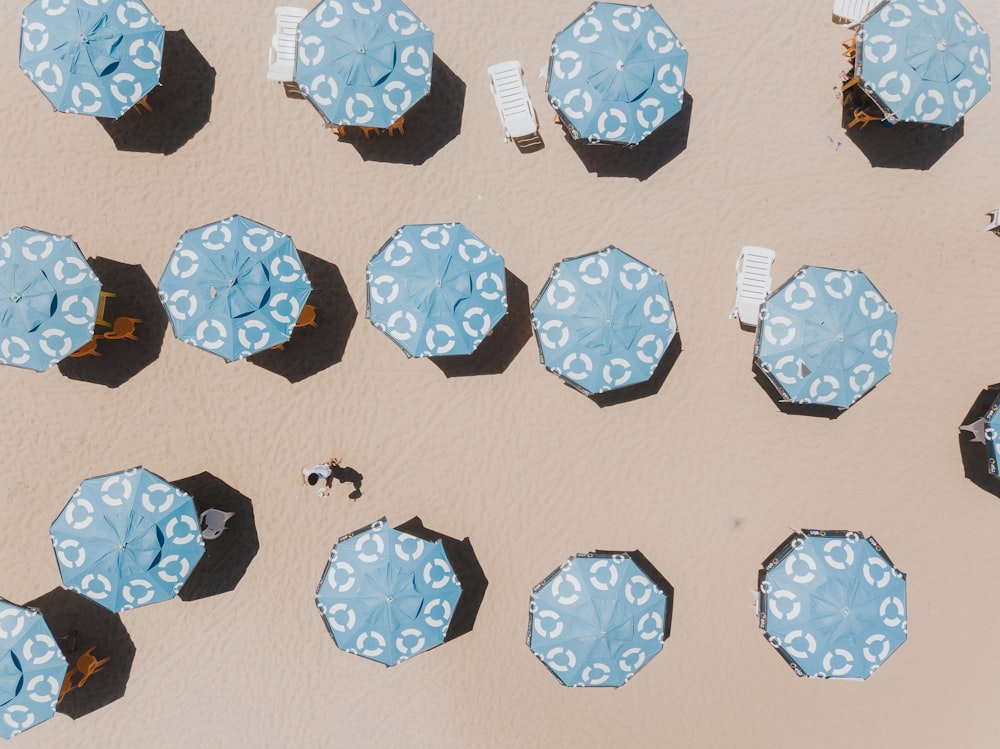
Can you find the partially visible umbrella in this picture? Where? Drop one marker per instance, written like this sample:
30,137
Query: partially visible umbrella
32,669
826,336
616,73
48,298
603,321
234,287
387,595
127,539
436,289
91,58
832,604
597,619
363,63
923,61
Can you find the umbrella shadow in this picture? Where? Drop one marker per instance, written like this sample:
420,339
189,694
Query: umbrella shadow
661,582
81,625
657,150
430,124
181,104
643,389
817,410
906,145
495,353
312,349
975,457
120,360
468,570
227,557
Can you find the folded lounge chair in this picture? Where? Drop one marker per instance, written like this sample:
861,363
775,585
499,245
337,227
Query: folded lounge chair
281,58
517,115
753,283
851,12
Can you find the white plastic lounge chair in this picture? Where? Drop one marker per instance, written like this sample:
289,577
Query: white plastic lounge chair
213,522
517,115
281,58
850,12
994,224
753,283
977,429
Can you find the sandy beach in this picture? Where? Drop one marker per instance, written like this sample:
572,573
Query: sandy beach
706,476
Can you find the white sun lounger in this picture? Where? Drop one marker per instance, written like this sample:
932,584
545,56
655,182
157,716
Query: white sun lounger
517,115
994,224
281,56
850,12
753,283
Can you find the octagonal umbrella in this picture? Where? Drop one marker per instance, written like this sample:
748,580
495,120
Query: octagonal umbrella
48,298
832,604
825,337
365,62
91,58
597,619
127,539
32,669
923,61
603,321
234,287
436,289
616,73
387,595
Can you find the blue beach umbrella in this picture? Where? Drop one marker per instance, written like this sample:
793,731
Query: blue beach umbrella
89,57
603,321
363,62
597,619
832,604
234,287
825,337
923,60
48,298
127,539
387,595
436,289
32,669
616,73
991,436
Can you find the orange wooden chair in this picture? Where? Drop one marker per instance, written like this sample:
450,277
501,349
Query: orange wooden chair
369,130
307,317
143,104
101,302
397,126
88,665
862,117
851,83
87,349
124,327
338,130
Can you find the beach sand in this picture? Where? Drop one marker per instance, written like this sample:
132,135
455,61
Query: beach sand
706,476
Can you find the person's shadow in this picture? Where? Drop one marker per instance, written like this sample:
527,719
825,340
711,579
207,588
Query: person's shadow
975,456
346,475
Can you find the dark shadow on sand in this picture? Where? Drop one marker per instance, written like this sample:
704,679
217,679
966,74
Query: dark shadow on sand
795,409
657,150
975,458
227,557
79,624
468,570
498,350
661,582
313,349
643,389
121,360
181,104
430,125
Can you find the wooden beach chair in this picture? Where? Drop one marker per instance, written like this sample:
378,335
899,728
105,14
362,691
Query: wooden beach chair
124,327
753,283
517,115
281,56
862,117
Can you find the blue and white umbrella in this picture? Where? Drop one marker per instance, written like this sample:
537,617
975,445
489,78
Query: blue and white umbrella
436,289
89,57
363,62
127,539
616,73
991,436
832,604
603,321
923,60
825,336
387,595
32,669
234,287
597,619
48,298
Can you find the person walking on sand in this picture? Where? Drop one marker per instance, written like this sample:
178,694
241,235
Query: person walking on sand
320,474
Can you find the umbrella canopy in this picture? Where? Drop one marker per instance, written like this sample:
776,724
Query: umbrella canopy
436,289
616,73
127,539
363,63
90,58
603,321
832,604
923,61
991,436
387,595
234,287
48,298
597,619
32,669
825,336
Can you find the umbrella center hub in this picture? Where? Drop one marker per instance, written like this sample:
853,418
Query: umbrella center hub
361,50
620,66
230,282
845,612
942,45
437,283
388,599
839,338
607,323
15,296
